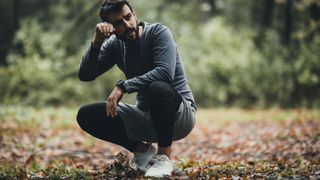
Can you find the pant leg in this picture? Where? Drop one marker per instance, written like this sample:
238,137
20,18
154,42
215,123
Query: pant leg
93,119
164,103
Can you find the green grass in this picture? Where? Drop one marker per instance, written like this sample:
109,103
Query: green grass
223,115
65,116
29,117
59,172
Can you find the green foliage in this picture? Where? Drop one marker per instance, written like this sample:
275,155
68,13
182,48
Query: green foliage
307,65
8,171
228,69
295,71
35,77
236,53
61,172
223,67
45,73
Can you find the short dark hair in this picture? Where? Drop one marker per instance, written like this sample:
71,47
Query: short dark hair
109,6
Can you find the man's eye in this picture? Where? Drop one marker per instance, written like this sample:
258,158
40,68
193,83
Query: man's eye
128,17
117,24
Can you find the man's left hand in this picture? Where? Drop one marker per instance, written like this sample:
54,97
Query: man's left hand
113,100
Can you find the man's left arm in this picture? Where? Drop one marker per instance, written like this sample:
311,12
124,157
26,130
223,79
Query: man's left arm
164,61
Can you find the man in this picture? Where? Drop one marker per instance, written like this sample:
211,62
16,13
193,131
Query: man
165,108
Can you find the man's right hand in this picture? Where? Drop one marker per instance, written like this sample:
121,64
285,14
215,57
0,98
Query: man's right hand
103,30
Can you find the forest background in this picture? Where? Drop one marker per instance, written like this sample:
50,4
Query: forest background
253,67
243,53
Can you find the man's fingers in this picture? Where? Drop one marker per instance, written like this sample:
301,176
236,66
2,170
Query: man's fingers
113,108
105,30
113,101
110,27
107,104
109,107
100,29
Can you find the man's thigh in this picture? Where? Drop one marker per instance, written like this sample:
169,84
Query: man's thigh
139,124
185,120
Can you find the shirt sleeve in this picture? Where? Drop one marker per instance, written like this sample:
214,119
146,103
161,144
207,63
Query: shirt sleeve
163,50
96,61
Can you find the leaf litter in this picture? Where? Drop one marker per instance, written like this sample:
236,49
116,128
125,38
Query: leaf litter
233,150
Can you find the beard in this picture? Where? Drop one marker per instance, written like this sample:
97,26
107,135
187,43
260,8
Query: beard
130,34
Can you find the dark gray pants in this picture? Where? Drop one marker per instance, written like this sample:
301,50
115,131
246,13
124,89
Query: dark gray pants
133,125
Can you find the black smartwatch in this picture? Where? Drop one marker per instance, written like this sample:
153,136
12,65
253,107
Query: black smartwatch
120,84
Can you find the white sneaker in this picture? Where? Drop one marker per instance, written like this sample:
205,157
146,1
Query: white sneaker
141,160
162,167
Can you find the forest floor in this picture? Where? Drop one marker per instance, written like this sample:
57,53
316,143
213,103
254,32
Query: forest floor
225,143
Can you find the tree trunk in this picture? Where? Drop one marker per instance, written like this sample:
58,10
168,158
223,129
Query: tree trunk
16,13
213,10
287,22
268,13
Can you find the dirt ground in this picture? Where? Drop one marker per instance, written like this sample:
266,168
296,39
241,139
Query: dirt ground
262,147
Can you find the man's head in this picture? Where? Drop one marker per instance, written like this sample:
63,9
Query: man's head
121,15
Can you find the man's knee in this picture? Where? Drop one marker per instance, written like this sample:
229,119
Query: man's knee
81,116
158,89
162,94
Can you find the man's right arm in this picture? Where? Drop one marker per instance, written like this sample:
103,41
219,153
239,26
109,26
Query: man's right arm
98,58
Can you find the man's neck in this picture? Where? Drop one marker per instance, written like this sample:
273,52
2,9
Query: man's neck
140,30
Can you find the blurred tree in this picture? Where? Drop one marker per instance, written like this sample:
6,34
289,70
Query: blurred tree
236,52
8,21
12,12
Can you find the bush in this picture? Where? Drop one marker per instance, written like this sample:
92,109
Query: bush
227,69
44,74
223,65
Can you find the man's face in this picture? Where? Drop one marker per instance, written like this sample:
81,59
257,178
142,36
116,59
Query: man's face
125,24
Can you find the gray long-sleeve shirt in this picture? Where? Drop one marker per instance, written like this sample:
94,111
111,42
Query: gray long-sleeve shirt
152,57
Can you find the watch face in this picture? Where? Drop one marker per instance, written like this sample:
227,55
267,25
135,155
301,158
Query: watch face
121,86
120,82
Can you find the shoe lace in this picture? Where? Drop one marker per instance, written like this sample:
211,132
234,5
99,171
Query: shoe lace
159,160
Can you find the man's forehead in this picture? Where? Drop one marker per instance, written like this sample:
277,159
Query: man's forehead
115,16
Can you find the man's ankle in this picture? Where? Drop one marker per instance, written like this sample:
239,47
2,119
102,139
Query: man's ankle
165,150
141,148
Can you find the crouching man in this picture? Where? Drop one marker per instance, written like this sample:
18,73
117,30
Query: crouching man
165,108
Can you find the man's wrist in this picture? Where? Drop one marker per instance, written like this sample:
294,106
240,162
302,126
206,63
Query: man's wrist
120,84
